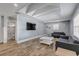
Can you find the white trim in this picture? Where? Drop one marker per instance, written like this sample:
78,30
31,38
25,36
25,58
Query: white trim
5,29
58,20
20,41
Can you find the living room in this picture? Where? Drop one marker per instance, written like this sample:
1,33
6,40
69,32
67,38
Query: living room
44,29
60,26
45,26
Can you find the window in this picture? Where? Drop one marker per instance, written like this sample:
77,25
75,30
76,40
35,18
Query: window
55,26
76,26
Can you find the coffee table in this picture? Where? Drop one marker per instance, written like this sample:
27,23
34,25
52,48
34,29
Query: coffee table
46,40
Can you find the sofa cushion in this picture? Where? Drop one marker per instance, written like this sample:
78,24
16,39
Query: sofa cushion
60,33
57,34
64,37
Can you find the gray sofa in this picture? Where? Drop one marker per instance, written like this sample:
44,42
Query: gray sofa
69,44
59,35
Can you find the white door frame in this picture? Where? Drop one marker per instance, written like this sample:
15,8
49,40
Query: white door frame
5,29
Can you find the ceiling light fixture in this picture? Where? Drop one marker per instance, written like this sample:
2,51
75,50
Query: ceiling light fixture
15,4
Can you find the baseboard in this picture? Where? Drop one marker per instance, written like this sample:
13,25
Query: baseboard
30,38
24,40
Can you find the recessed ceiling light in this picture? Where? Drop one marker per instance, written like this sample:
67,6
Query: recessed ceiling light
15,4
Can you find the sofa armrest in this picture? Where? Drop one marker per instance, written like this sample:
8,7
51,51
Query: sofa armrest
64,37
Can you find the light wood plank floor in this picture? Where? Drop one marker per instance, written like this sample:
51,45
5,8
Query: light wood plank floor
30,48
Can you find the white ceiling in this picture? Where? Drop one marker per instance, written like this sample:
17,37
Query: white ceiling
46,12
51,11
9,8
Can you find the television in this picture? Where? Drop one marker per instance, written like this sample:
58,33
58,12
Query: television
31,26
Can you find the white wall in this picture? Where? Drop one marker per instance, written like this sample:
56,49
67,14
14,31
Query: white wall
22,33
0,30
63,27
5,29
71,24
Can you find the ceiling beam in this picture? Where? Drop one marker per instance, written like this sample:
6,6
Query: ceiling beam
21,7
27,8
48,11
41,8
38,8
51,21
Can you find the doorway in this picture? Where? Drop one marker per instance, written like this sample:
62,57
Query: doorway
11,28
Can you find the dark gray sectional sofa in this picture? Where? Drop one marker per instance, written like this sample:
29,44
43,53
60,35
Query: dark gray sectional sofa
66,42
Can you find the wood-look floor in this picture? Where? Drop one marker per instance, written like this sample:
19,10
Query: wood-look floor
30,48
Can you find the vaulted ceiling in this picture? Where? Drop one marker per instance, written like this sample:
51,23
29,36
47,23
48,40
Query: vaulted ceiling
46,12
49,12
